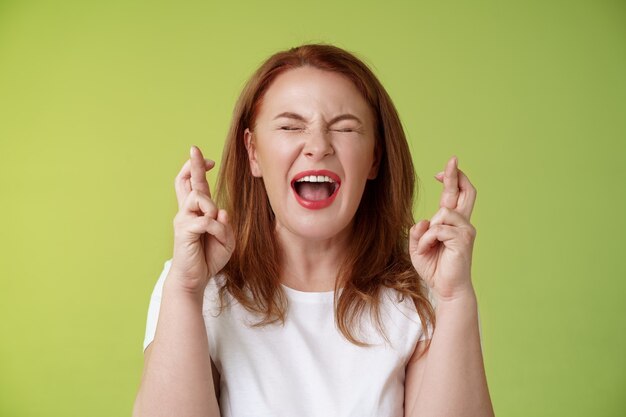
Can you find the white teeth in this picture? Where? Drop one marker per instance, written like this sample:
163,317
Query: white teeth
316,178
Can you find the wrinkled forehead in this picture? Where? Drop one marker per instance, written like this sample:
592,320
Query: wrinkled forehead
315,94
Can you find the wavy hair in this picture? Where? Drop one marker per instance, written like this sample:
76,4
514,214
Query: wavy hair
377,254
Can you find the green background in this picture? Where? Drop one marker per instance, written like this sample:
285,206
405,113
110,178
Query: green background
100,102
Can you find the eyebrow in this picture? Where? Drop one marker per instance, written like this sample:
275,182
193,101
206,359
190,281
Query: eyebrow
296,116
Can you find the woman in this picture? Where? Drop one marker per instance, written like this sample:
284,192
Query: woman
303,289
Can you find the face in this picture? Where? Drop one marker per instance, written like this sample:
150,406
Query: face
313,144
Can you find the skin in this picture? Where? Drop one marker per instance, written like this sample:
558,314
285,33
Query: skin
179,378
441,248
280,147
448,379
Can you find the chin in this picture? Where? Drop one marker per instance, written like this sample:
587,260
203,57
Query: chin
314,229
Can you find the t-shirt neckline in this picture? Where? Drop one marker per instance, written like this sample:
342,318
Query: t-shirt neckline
309,296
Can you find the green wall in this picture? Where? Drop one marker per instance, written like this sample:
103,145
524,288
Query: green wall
100,102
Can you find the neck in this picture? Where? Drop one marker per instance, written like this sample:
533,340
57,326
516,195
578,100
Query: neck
311,265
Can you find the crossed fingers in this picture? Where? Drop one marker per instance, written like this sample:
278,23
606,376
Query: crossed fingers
452,220
458,193
192,176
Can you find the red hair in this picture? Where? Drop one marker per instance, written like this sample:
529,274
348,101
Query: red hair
377,254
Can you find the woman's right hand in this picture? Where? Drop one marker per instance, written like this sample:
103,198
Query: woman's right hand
203,237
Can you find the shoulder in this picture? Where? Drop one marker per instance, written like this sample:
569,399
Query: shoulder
398,304
400,309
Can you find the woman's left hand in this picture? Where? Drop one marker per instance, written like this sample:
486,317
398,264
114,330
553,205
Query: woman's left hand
441,249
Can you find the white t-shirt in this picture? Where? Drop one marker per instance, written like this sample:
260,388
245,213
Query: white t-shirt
306,368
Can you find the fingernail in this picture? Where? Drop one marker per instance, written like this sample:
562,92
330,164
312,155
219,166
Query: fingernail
456,161
191,151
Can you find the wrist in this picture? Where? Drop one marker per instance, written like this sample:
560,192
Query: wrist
180,288
466,291
464,300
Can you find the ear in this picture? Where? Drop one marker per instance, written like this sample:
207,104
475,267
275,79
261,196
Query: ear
376,163
255,168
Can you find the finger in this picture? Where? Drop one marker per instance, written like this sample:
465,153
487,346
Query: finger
450,217
198,225
222,217
199,204
450,193
182,182
416,233
467,193
198,172
467,196
434,235
221,231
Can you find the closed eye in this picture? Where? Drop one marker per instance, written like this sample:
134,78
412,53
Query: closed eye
345,130
289,128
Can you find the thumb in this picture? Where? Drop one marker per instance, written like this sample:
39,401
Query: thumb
222,216
229,241
416,233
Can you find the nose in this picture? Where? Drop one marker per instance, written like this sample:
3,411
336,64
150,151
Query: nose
318,145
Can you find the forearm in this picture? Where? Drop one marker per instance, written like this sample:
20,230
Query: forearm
177,378
454,381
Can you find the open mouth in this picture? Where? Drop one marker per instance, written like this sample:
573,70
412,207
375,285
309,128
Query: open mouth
315,189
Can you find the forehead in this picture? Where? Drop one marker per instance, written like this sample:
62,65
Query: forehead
312,92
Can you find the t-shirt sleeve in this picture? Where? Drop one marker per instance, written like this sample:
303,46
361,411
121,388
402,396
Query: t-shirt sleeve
155,304
425,334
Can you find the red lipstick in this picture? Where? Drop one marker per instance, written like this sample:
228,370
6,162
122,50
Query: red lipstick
316,204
